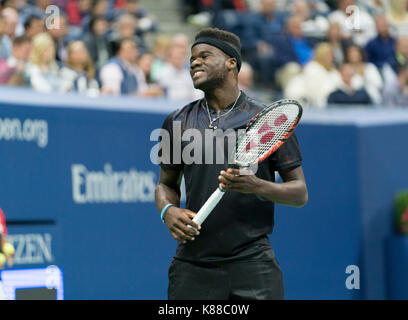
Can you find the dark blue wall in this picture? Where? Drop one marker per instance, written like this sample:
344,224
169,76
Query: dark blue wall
119,249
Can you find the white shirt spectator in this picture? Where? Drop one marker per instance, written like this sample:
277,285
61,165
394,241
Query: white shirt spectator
313,85
371,81
361,32
46,82
392,93
74,81
111,77
178,84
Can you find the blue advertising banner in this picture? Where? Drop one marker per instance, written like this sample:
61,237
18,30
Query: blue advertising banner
77,188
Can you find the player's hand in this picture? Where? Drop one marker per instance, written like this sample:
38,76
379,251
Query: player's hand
178,221
238,180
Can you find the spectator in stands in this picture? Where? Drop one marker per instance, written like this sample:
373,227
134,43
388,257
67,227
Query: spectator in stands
269,21
96,41
366,25
33,25
119,76
175,78
401,53
42,4
381,49
145,21
160,48
292,46
145,62
317,80
374,7
11,69
191,7
346,93
15,5
9,4
246,79
3,41
42,71
266,24
62,4
397,15
78,74
208,10
368,73
313,23
98,8
181,40
26,8
390,71
61,37
295,46
125,27
11,20
76,10
148,88
396,89
338,42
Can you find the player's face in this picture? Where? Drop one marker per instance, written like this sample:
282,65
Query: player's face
207,66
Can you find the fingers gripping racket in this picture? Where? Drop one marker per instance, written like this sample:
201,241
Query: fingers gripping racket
264,134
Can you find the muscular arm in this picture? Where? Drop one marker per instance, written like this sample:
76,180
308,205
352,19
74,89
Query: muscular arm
291,192
176,219
168,188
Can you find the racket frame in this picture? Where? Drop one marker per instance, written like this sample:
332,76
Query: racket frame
256,118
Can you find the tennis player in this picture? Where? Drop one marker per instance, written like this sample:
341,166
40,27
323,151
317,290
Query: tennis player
229,256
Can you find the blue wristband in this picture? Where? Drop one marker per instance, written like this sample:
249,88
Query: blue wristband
164,210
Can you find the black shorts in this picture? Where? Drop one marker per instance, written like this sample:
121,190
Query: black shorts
246,279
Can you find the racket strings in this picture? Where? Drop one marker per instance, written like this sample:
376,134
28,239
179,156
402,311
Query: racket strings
265,133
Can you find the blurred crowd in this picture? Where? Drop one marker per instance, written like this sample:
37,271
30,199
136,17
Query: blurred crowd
318,52
91,47
315,51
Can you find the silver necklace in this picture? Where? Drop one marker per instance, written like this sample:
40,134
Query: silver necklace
211,126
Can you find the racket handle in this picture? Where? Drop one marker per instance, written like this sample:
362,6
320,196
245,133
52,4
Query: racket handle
209,205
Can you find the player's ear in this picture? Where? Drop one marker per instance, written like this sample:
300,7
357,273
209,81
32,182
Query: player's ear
231,64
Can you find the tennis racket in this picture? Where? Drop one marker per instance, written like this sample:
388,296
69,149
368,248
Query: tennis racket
264,134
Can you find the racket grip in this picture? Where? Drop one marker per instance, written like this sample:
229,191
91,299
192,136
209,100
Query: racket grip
208,206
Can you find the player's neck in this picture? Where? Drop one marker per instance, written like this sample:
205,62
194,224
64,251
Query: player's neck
221,98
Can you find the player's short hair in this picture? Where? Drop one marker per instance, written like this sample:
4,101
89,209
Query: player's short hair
222,35
226,41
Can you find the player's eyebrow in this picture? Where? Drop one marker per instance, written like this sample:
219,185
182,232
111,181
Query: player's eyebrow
200,54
